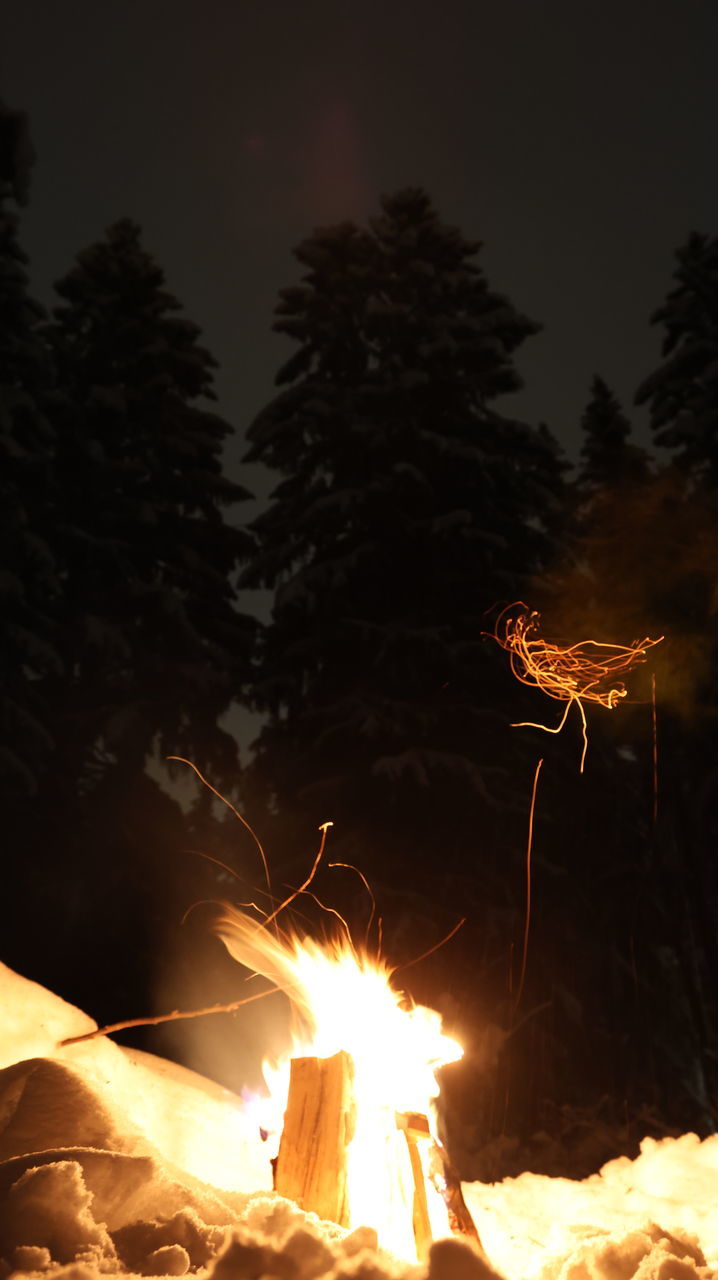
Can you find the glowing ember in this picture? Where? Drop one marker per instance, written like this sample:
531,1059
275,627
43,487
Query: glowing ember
342,999
588,671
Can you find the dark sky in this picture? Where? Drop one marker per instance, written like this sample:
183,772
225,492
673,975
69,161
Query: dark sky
576,138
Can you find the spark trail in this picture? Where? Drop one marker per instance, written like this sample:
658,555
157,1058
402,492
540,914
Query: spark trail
588,671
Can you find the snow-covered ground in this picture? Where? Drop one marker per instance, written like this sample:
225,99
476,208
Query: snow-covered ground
114,1162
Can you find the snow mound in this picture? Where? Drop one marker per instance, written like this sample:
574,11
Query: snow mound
535,1226
97,1094
95,1215
34,1020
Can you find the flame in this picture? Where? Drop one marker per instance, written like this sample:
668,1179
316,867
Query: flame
342,999
587,671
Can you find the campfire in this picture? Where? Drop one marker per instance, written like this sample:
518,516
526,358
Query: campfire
351,1107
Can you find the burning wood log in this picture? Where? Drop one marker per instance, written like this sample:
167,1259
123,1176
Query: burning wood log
311,1166
448,1182
415,1128
436,1166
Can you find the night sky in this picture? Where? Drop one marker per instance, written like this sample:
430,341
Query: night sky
577,140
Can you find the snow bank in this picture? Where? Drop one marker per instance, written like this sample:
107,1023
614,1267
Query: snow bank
100,1095
82,1214
113,1162
531,1223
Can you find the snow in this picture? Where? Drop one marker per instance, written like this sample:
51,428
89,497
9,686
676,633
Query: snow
116,1163
534,1224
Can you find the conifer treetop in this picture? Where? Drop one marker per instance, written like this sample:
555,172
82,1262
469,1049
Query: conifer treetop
406,505
682,393
160,648
608,457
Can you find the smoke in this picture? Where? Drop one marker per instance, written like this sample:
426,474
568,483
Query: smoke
644,564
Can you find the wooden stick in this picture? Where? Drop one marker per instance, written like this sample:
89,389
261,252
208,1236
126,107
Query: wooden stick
443,1176
168,1017
311,1166
447,1179
415,1128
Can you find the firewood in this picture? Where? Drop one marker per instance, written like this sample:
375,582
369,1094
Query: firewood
311,1166
439,1169
446,1178
415,1128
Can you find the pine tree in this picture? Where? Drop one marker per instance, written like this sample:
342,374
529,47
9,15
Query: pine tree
407,508
154,646
609,460
682,394
27,572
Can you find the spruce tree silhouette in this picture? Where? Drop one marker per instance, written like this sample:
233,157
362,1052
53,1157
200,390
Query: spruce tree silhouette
28,574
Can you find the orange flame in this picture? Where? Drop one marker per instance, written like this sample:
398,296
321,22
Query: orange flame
342,998
587,671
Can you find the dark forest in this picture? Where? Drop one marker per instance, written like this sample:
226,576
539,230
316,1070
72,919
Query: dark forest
409,508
